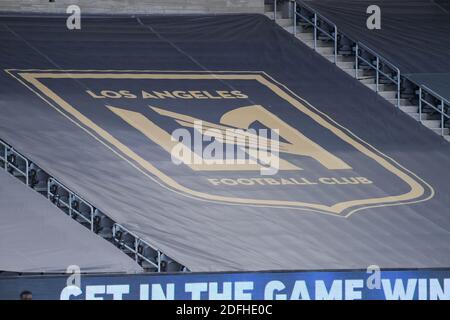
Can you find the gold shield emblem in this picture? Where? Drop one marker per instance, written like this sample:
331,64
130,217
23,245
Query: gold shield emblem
323,167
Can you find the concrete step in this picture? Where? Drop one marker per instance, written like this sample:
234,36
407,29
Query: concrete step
268,8
340,58
413,115
439,131
431,116
432,123
325,50
403,102
304,35
416,116
388,94
363,74
270,14
346,64
367,80
410,109
381,87
319,43
284,22
447,137
290,29
371,86
305,28
352,72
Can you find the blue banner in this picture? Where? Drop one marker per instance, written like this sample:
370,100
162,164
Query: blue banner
339,285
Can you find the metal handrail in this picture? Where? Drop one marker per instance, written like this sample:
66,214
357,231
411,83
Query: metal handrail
68,205
137,242
3,158
316,26
314,11
379,59
72,196
377,69
358,42
7,164
434,107
27,165
311,22
436,95
358,45
378,55
53,196
441,109
275,10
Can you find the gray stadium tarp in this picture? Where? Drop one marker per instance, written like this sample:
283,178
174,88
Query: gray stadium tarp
438,82
378,195
35,236
413,34
444,4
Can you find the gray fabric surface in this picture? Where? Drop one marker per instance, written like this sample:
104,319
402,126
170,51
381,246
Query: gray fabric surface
209,236
413,34
438,82
35,236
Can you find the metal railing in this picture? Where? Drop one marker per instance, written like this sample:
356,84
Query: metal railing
11,159
440,109
3,154
81,210
74,203
378,63
377,66
136,246
275,10
313,22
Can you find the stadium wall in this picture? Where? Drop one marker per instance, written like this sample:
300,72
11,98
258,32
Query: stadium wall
135,6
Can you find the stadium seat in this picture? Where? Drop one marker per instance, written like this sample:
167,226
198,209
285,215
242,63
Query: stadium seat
38,179
169,265
103,225
59,196
125,241
408,89
345,46
367,56
149,253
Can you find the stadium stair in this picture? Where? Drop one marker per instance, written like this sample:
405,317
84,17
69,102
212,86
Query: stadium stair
347,64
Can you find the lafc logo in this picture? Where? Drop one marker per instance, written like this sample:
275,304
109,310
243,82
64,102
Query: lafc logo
236,147
259,145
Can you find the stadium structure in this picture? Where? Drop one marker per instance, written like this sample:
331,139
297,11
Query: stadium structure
89,185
